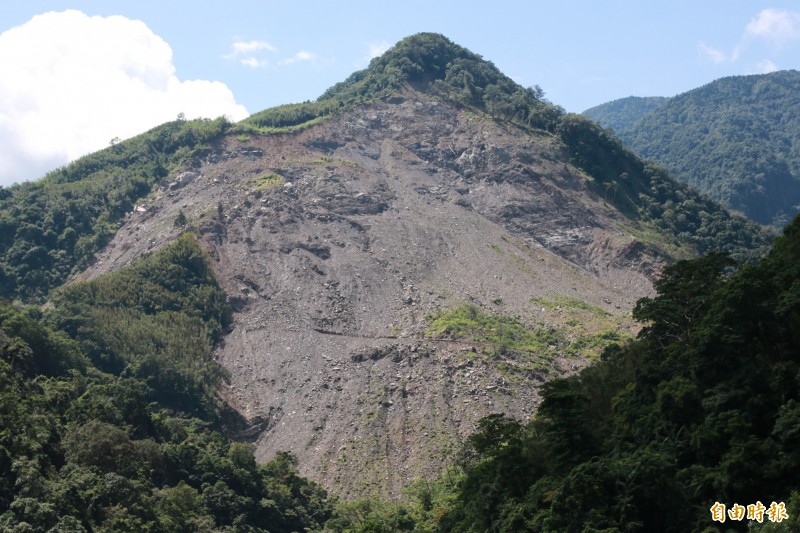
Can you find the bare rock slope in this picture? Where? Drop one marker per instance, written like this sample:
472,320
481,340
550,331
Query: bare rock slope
338,243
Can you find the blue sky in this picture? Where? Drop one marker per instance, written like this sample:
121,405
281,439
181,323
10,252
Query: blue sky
72,80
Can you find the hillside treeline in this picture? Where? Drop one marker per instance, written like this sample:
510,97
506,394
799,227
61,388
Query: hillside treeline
51,228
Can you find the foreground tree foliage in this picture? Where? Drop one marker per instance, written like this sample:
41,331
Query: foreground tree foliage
703,407
109,418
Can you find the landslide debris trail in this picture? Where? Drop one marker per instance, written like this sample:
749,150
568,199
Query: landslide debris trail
335,246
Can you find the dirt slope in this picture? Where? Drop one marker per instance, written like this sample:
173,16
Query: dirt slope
337,243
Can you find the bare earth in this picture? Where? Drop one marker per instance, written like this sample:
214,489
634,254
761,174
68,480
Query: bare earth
337,243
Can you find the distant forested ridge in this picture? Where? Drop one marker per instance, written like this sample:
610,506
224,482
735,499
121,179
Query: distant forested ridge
736,139
620,115
647,193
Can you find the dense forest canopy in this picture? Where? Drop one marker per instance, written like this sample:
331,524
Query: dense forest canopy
51,228
620,115
736,139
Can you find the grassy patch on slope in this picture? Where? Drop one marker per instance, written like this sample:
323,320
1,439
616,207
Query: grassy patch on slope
516,347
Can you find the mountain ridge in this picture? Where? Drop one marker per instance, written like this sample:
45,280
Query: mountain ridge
622,113
735,139
428,62
334,275
73,211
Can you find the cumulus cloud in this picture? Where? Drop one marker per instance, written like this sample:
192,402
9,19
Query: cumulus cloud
771,27
775,26
72,82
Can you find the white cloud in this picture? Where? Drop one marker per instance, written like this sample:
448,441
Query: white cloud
252,54
765,67
252,62
377,49
777,27
248,47
302,55
71,83
711,53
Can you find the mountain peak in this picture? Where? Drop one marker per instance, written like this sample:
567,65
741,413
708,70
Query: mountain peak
429,63
421,59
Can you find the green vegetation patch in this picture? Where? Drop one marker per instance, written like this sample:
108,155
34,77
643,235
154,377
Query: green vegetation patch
518,350
289,118
497,334
560,301
156,320
515,348
267,181
587,328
